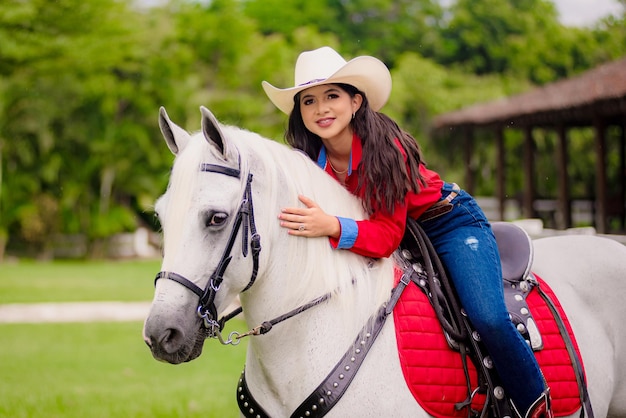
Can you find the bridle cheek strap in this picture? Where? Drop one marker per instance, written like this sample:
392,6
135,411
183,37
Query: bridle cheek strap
245,220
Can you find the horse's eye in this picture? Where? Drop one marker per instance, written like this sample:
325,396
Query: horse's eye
215,219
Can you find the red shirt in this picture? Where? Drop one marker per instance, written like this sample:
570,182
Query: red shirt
380,235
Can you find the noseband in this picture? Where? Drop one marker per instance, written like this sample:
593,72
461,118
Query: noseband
245,218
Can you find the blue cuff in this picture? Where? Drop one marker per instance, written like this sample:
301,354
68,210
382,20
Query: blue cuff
349,232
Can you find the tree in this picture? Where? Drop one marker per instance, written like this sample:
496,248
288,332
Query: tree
70,92
383,28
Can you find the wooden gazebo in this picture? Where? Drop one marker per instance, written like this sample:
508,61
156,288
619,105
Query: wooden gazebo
596,98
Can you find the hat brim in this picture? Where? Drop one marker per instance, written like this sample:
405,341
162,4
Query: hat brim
368,74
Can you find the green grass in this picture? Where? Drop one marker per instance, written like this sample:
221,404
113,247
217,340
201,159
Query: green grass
74,281
105,370
102,370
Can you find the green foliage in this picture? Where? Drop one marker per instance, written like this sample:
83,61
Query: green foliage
81,84
424,89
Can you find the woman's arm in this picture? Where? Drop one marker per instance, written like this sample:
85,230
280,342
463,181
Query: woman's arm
379,236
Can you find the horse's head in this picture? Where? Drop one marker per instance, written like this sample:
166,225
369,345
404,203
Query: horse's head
214,214
210,240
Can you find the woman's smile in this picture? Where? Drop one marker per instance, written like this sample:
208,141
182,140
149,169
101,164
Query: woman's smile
325,122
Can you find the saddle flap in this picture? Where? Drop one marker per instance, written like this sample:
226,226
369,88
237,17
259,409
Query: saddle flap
516,250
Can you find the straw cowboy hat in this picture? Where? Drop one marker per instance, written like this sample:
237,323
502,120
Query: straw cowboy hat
324,66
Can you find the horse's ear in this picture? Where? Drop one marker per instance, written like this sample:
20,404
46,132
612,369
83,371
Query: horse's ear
212,131
175,136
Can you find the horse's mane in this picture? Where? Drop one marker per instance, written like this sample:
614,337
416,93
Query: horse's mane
312,267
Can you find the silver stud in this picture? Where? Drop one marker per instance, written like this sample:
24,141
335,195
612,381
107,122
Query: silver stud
245,404
328,393
307,413
476,336
251,410
347,368
322,399
519,298
335,384
352,359
524,311
341,376
358,351
488,362
368,335
498,392
362,342
521,327
239,389
314,407
406,254
242,397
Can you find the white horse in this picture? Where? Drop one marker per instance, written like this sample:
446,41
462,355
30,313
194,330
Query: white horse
217,169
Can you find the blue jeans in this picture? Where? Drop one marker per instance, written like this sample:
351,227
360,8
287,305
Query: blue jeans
467,247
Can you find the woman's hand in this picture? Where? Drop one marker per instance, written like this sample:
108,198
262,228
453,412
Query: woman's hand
310,221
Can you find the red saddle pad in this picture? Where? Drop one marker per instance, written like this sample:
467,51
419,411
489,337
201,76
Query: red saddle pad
434,372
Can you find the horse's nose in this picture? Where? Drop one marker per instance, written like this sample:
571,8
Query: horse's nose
169,341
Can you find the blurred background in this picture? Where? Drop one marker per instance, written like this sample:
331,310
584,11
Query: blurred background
81,156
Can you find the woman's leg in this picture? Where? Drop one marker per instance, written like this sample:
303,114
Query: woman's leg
467,247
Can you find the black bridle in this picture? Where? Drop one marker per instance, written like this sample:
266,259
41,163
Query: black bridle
245,218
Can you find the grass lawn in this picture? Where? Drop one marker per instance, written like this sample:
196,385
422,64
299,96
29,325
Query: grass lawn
30,281
102,370
105,370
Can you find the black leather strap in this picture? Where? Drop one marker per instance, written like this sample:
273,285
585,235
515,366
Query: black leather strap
332,389
213,168
248,406
328,393
576,361
181,280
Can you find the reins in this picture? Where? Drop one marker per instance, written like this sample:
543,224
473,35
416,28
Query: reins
266,326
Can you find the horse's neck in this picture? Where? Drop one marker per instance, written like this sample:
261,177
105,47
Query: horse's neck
295,356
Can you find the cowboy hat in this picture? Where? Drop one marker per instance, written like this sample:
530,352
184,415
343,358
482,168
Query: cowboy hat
325,66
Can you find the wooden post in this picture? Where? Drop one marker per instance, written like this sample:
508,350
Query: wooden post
500,174
468,151
564,221
622,177
528,210
601,195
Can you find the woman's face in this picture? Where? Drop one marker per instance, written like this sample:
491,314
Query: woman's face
327,110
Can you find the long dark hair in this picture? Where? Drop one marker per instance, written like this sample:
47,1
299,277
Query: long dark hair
383,177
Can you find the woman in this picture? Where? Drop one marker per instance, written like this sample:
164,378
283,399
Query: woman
334,118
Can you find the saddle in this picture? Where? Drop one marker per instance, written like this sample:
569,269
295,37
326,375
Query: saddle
418,259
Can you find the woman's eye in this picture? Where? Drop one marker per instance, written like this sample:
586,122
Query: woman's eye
215,219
